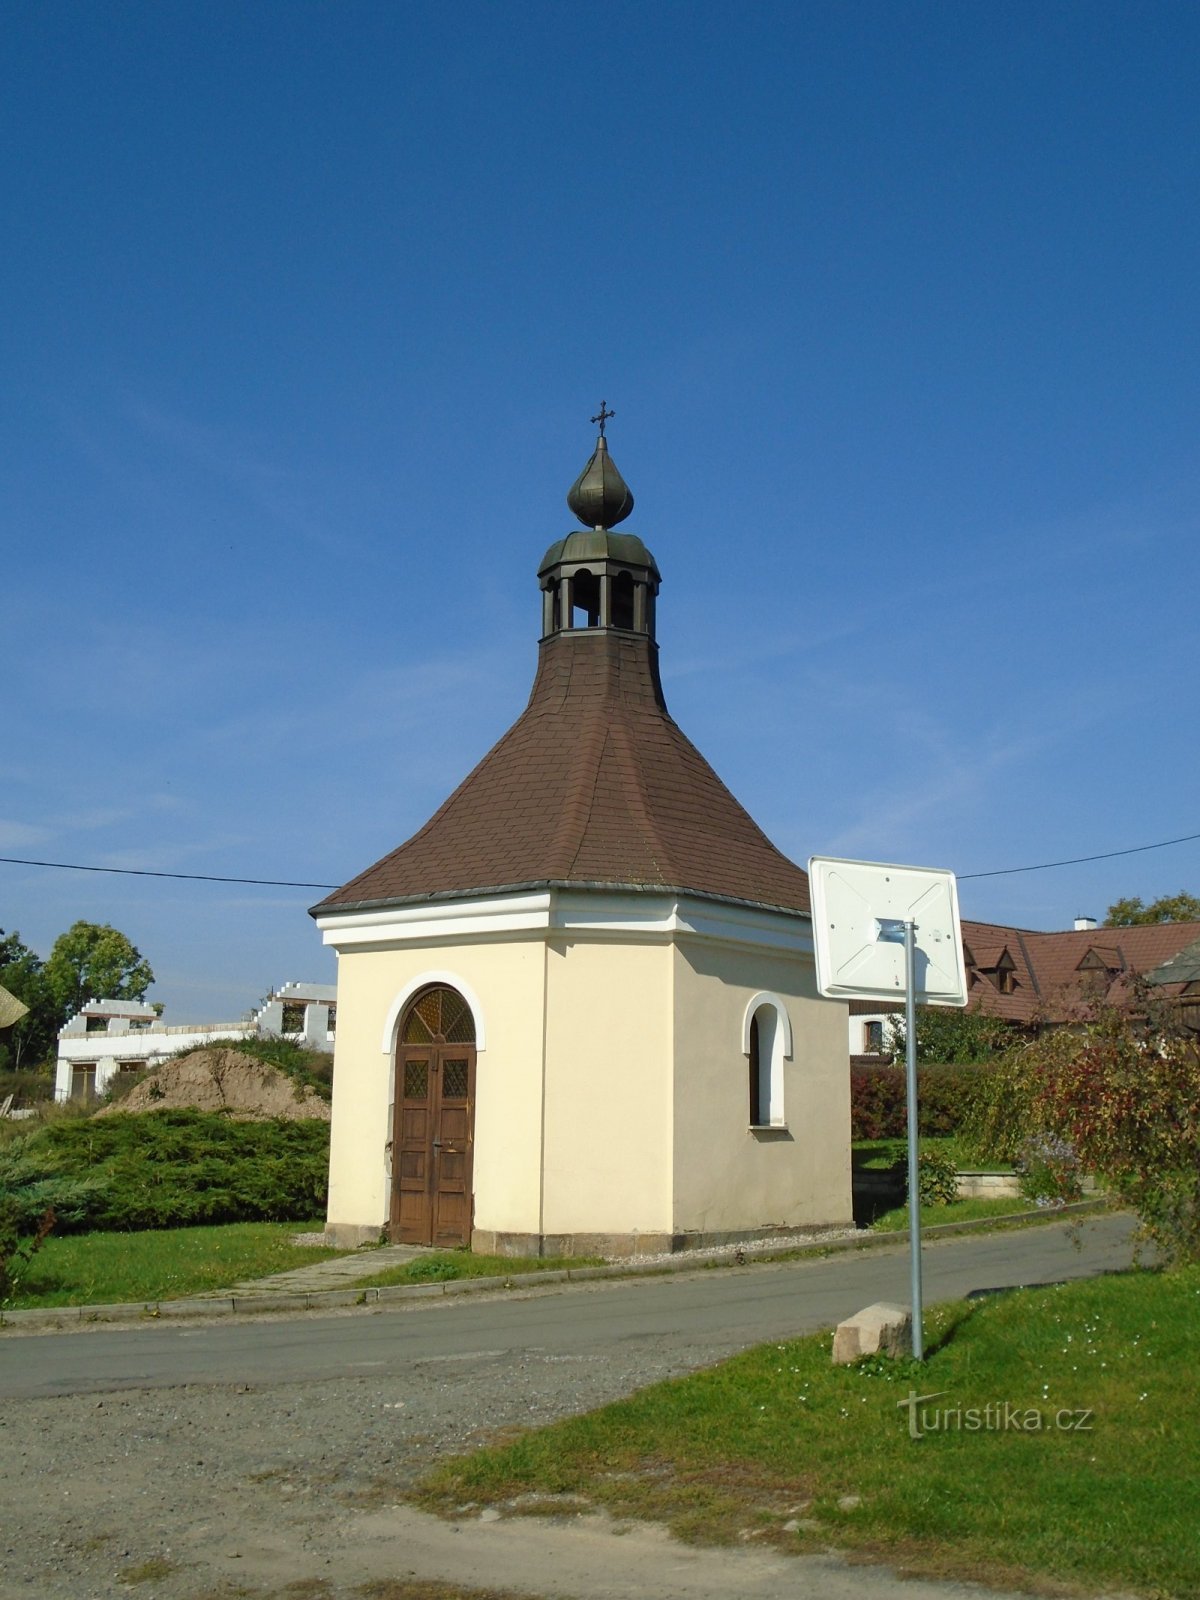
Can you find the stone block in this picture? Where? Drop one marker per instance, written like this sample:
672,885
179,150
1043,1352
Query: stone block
880,1327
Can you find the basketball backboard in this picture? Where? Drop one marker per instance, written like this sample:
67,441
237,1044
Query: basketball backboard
859,912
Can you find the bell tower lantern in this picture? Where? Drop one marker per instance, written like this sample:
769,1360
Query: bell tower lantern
598,579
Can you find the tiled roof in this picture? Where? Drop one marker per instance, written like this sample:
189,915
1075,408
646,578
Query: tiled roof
1179,970
1049,983
1107,956
594,784
987,956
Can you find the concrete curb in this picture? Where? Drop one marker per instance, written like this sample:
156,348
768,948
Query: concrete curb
67,1319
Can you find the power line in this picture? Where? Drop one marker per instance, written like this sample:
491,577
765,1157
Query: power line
289,883
145,872
1074,861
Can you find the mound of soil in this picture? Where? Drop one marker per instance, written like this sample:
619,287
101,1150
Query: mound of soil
223,1080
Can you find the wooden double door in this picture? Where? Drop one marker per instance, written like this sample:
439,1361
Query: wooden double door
433,1132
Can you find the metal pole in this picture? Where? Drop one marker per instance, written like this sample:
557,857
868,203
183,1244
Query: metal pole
914,1181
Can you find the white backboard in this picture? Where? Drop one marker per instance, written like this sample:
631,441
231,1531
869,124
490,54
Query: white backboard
859,910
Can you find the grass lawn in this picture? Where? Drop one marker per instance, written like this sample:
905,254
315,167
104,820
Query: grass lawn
162,1264
896,1221
444,1265
884,1161
882,1155
778,1445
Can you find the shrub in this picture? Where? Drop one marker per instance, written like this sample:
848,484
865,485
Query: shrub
1131,1108
945,1095
1125,1100
947,1035
177,1168
29,1187
1049,1169
937,1178
878,1106
31,1201
17,1252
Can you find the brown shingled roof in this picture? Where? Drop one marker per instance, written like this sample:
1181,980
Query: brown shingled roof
1048,978
1047,982
594,784
1121,951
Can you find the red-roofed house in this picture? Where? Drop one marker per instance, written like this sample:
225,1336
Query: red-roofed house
1053,979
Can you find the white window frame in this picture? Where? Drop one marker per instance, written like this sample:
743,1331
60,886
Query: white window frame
774,1048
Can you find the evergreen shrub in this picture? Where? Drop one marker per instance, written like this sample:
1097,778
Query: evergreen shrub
169,1169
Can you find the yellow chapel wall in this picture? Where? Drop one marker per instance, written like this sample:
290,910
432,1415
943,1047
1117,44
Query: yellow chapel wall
608,1094
505,979
727,1179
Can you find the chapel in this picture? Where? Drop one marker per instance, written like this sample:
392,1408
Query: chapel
577,1010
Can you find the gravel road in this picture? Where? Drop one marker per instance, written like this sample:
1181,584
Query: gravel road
201,1490
289,1487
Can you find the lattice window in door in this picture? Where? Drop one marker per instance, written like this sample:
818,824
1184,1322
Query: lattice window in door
454,1080
439,1014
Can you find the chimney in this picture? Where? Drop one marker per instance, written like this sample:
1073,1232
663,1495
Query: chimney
1084,924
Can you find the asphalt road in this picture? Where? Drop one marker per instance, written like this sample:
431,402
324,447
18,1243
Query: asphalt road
707,1314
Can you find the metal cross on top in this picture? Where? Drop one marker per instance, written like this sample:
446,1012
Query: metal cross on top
603,416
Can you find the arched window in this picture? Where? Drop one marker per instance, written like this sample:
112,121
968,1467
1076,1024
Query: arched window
767,1042
439,1014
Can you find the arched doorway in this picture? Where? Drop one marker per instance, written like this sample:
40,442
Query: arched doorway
433,1121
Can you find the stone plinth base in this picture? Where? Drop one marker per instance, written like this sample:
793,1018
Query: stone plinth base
349,1235
617,1246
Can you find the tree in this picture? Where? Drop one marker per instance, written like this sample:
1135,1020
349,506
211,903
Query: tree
949,1035
1167,908
31,1040
1121,1098
95,961
1130,1108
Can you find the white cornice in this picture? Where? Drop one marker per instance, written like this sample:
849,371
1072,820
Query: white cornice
462,921
574,913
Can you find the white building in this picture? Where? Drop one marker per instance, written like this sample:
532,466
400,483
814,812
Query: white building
107,1037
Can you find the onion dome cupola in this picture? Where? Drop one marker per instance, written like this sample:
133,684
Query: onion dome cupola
594,786
598,578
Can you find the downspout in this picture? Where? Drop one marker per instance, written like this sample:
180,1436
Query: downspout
542,1130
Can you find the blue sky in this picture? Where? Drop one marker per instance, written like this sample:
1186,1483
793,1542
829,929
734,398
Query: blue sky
307,307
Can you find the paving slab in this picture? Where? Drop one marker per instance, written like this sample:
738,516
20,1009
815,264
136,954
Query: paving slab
337,1272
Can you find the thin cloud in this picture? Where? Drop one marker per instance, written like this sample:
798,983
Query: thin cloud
21,835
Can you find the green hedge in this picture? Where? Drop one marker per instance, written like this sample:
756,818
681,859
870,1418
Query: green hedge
170,1169
944,1097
